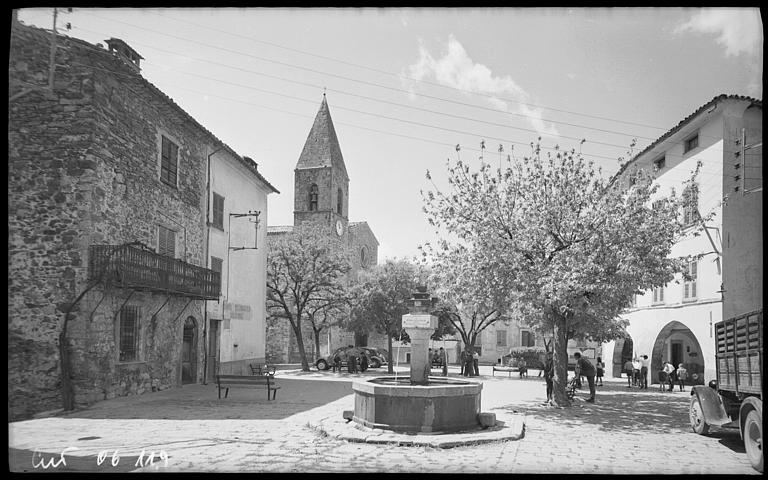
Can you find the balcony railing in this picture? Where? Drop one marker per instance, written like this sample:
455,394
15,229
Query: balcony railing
130,266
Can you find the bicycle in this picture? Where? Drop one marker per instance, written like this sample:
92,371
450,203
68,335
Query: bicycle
570,388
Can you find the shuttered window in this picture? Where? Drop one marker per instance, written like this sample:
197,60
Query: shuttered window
169,162
166,241
218,211
129,334
689,282
501,338
216,264
658,295
527,339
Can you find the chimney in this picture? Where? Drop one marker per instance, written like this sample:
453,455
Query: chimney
128,55
249,159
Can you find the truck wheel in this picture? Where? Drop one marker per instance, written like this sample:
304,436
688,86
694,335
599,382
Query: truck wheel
753,440
322,365
696,414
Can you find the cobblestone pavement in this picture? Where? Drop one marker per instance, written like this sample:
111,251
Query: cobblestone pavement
626,431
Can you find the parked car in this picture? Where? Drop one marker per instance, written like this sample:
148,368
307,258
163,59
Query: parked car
375,360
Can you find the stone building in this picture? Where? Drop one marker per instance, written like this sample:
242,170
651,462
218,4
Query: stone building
107,204
321,195
675,322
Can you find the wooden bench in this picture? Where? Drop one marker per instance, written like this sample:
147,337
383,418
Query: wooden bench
256,381
259,369
500,368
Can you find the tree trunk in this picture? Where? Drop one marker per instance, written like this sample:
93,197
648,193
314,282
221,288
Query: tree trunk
300,343
390,367
317,341
560,360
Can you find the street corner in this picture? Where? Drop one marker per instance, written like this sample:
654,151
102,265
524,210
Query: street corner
508,427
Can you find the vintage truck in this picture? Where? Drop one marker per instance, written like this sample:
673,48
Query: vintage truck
735,397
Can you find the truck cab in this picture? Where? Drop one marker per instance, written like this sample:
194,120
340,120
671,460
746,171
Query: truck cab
735,396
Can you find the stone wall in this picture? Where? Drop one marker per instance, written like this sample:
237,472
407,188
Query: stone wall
83,170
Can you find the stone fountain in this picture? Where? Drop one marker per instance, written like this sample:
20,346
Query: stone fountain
419,403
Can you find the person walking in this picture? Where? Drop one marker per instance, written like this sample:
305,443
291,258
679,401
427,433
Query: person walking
337,363
629,371
682,375
351,363
466,362
522,367
584,367
363,362
443,360
636,365
599,367
549,374
645,364
669,369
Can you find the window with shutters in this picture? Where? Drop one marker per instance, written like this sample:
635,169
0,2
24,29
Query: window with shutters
166,241
527,339
218,211
658,295
313,198
690,204
129,334
501,338
689,281
169,161
216,264
691,143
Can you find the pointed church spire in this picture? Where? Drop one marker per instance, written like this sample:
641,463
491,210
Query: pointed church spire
322,146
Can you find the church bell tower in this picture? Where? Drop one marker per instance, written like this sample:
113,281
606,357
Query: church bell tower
321,184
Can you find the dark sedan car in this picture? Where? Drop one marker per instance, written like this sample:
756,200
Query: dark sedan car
374,358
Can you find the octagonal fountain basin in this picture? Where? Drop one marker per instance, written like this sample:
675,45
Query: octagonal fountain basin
445,405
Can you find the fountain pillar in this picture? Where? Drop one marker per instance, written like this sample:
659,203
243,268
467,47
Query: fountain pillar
420,324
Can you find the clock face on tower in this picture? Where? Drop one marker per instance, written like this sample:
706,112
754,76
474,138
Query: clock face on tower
339,228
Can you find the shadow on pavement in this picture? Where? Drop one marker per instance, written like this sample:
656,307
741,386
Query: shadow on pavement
619,408
201,402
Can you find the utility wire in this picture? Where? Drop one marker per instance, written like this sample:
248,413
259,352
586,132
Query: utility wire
384,101
372,69
367,82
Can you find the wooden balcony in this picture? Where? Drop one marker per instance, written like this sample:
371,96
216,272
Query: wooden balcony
129,266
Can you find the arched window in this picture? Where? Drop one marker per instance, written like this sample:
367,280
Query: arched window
313,198
339,202
362,257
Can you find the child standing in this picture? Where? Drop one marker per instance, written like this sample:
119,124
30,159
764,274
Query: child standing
682,375
600,366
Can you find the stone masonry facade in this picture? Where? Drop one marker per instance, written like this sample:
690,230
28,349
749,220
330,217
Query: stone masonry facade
84,170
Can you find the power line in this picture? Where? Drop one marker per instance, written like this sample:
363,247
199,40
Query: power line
369,83
372,69
391,88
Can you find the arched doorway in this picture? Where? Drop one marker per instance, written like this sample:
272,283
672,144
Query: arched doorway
677,344
622,351
189,352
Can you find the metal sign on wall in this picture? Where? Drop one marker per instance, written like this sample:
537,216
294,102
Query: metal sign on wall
236,311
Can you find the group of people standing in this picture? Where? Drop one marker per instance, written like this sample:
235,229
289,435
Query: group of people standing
583,368
356,362
637,374
469,363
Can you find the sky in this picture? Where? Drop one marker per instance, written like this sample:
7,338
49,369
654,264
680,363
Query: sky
405,86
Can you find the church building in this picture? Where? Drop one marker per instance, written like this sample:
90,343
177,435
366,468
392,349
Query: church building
321,195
